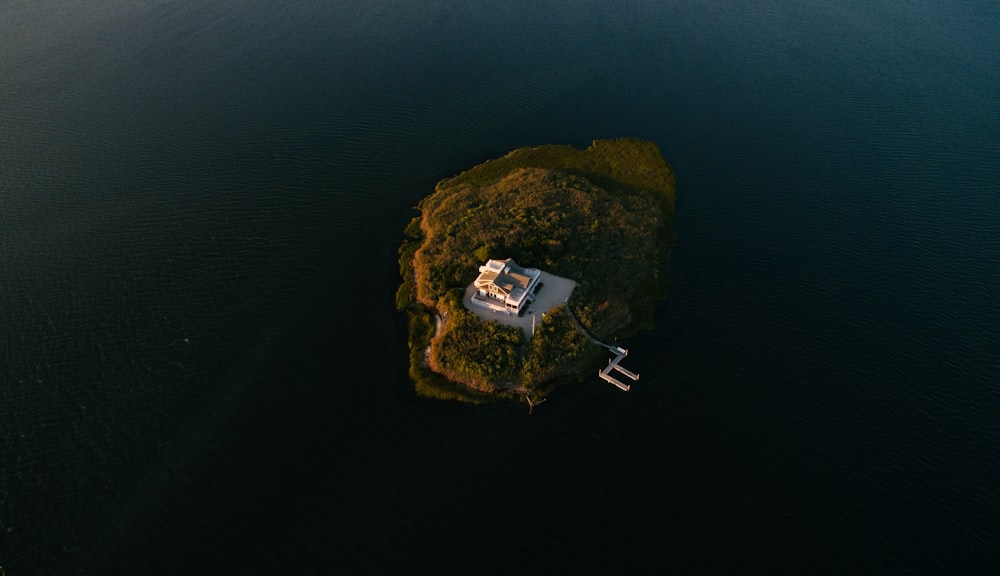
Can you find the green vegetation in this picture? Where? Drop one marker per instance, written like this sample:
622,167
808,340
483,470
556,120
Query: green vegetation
427,382
599,216
558,348
483,355
406,291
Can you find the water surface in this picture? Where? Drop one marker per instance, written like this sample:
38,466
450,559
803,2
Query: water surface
200,368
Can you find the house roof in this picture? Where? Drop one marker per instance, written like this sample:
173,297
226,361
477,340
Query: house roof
506,275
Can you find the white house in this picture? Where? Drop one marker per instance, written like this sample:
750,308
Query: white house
504,285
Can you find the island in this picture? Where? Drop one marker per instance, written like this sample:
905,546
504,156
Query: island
517,270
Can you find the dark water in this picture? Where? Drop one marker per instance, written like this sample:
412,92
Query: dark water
201,372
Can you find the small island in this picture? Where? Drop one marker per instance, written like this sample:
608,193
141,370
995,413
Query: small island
517,269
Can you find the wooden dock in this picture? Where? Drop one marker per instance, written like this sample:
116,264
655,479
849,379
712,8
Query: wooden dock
613,364
619,353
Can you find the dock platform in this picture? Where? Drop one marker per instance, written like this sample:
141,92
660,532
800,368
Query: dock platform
613,364
607,378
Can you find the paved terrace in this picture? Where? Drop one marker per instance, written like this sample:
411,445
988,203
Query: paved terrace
556,291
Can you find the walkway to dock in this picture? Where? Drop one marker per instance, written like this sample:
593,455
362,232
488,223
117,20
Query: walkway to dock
613,364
